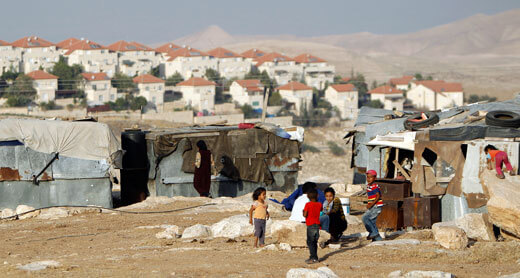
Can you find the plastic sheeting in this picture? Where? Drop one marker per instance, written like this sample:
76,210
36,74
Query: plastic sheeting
84,140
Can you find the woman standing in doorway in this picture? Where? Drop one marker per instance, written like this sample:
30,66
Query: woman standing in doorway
203,165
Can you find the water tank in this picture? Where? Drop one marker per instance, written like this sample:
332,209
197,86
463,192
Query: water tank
133,142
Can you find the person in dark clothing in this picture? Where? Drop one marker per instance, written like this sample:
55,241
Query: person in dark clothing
333,218
203,166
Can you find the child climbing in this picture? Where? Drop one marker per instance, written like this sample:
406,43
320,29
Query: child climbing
499,157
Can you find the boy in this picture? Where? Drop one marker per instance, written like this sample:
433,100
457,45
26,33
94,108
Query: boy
374,206
311,212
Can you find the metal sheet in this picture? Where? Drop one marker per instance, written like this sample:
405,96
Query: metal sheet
454,207
75,168
26,161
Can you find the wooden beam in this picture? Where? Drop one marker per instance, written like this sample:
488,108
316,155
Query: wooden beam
403,171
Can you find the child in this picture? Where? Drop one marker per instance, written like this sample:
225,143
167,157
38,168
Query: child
333,219
492,154
259,212
311,212
374,206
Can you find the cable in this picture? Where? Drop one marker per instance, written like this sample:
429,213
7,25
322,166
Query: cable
110,209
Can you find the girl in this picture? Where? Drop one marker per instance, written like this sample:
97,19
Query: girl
203,165
493,154
333,219
259,212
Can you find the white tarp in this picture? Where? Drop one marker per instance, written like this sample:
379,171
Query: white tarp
401,140
85,140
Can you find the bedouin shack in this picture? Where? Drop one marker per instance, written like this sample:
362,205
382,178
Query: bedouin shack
246,157
55,163
443,161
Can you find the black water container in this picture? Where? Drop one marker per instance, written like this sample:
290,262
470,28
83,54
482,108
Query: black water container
134,175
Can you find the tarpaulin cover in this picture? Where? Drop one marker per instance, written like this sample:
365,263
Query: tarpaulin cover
85,140
471,132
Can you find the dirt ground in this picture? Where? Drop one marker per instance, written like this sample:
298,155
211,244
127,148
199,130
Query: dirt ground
110,244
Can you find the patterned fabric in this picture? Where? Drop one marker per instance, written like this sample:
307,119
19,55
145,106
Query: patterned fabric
372,190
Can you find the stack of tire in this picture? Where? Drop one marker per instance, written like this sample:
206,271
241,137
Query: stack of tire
503,118
416,121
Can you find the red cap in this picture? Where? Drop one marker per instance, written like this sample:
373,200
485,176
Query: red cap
372,173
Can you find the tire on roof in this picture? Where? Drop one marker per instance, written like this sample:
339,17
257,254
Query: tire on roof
503,118
414,121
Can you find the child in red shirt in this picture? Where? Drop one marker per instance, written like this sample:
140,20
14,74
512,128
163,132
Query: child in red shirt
311,212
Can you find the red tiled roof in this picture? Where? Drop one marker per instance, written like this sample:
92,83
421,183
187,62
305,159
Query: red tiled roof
185,52
386,89
271,57
345,79
308,58
123,46
84,45
147,78
67,43
3,43
440,86
344,87
90,76
253,53
40,74
220,52
30,42
294,86
252,85
405,80
165,48
196,81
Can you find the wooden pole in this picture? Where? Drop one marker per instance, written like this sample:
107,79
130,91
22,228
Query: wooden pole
266,99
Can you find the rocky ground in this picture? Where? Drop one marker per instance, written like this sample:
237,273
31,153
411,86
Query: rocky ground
201,237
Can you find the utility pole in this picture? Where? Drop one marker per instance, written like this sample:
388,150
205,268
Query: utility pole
266,99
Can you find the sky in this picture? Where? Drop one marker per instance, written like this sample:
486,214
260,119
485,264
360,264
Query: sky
153,21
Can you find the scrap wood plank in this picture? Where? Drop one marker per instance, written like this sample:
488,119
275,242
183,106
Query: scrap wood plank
405,174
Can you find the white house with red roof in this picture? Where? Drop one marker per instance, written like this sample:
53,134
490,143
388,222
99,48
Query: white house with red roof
298,94
45,85
391,97
92,56
36,53
248,91
345,98
402,83
188,62
435,94
64,45
10,57
252,55
134,58
316,72
229,63
98,88
280,67
198,93
151,88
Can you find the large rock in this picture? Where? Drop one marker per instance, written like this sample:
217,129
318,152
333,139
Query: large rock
233,227
339,188
450,236
170,232
23,209
504,201
420,274
7,212
41,265
196,231
514,275
293,233
476,226
53,213
322,272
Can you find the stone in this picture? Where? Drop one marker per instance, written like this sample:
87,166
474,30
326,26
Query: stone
23,208
503,204
396,242
169,233
270,247
420,274
339,188
321,272
53,213
353,220
395,274
514,275
293,233
354,188
450,236
335,246
7,212
280,225
285,247
233,227
476,226
41,265
196,231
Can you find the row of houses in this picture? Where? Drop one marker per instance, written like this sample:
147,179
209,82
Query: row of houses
132,58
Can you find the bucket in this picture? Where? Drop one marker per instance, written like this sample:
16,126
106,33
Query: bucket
345,203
